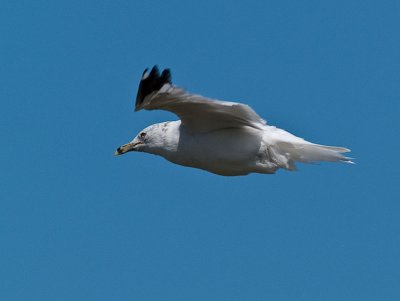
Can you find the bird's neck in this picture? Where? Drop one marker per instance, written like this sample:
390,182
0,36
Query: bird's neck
168,140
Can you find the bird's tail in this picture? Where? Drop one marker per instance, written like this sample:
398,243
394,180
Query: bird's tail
286,154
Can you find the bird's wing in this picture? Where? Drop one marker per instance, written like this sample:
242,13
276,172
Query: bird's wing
197,113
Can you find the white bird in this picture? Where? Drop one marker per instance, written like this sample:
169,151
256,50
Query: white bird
225,138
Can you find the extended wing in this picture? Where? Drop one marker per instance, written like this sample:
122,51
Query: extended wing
197,113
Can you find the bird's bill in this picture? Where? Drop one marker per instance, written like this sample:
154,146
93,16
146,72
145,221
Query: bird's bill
127,148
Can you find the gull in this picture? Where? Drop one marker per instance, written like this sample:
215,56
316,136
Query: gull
224,138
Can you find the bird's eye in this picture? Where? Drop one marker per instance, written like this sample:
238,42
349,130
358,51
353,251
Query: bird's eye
142,134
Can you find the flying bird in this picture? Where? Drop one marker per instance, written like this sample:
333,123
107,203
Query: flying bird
225,138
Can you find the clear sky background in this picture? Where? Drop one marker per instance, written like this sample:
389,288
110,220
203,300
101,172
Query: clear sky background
77,223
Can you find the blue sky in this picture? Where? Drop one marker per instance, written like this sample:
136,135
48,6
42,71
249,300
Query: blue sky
77,223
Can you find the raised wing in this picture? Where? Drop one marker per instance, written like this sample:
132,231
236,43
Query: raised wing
197,113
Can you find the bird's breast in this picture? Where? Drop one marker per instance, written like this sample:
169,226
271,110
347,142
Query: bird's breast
217,151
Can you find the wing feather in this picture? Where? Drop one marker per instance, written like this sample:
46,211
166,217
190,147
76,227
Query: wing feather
197,113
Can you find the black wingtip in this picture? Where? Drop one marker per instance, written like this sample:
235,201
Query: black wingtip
151,82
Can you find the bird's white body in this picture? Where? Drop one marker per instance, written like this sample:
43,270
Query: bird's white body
232,151
212,151
225,138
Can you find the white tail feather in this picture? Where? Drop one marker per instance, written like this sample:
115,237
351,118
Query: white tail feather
286,154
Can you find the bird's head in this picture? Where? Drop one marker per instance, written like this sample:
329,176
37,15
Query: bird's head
148,140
